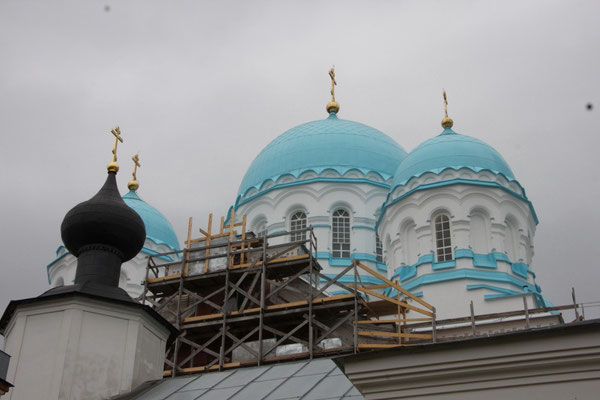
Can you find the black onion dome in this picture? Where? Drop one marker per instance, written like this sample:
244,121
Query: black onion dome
106,222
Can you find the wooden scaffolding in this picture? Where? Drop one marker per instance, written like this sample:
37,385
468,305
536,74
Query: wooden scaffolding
232,293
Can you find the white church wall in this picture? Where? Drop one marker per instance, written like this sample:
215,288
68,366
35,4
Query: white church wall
82,349
443,295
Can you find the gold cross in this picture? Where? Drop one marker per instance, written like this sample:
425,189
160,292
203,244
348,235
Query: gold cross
117,132
445,104
136,164
333,83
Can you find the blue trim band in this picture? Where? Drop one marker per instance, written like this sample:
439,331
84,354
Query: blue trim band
443,265
363,227
520,269
494,288
278,232
345,262
487,261
307,181
457,181
405,273
485,275
350,279
154,252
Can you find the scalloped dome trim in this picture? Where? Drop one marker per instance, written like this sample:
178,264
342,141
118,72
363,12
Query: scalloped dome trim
451,150
340,170
331,143
454,181
439,171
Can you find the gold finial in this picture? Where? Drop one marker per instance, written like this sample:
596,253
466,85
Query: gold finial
134,184
447,121
113,166
333,106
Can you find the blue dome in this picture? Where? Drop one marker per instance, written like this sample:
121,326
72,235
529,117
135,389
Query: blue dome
450,150
158,228
331,143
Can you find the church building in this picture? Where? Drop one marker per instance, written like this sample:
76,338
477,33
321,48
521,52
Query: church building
351,269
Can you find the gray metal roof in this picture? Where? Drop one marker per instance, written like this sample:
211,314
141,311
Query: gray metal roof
318,379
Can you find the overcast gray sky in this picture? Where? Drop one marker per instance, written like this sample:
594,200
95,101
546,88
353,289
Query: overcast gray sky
199,88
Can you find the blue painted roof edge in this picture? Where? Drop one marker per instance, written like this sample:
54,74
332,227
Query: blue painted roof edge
458,181
342,170
307,181
438,171
159,242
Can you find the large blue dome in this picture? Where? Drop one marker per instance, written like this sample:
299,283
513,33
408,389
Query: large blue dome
331,143
158,228
450,150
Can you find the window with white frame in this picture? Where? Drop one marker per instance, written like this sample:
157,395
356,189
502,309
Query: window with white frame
340,231
261,229
378,249
442,238
297,223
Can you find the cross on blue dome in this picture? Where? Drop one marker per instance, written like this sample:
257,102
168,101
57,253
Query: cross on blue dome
450,150
331,143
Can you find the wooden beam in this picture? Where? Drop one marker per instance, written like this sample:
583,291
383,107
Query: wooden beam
378,346
400,303
188,246
395,334
387,321
203,239
333,298
243,254
211,368
374,287
395,286
208,237
277,260
164,278
202,231
231,218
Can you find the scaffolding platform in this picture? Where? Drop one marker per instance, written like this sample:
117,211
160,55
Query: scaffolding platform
238,300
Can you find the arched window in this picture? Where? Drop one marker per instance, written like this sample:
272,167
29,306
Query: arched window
442,238
297,222
510,240
378,249
340,234
261,229
409,242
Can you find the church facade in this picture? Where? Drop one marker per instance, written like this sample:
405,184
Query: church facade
449,222
447,219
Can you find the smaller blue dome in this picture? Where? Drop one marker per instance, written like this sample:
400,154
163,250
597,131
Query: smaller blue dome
158,228
450,150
